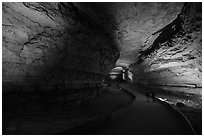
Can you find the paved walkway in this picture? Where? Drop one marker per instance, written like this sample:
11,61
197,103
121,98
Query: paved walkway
140,118
57,120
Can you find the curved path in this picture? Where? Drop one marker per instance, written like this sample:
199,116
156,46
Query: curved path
139,118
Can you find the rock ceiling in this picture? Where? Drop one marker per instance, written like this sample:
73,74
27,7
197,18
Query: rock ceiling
159,42
135,24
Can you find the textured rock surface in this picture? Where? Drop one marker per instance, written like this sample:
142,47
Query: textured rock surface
161,42
66,44
60,46
174,58
53,44
137,23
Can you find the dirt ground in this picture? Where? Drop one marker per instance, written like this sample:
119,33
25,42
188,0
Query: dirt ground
57,120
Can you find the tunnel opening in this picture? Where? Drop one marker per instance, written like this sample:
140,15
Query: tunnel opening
120,74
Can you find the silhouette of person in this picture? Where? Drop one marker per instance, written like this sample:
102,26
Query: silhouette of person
153,96
147,95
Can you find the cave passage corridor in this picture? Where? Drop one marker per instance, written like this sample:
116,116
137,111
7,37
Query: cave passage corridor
101,68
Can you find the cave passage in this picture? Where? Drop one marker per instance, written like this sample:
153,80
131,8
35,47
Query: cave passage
143,116
95,68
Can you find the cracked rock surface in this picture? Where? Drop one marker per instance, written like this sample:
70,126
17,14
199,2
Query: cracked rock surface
71,48
174,58
62,45
46,44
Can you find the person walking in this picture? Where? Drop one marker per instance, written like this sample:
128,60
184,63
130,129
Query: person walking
153,96
147,95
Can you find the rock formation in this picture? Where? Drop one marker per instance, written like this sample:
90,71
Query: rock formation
59,52
174,58
53,45
50,46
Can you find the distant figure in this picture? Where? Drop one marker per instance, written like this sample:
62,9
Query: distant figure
118,82
153,96
147,95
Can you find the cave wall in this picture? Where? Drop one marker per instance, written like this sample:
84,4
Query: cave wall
53,46
63,45
173,62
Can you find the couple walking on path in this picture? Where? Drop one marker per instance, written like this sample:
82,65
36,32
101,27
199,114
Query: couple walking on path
150,95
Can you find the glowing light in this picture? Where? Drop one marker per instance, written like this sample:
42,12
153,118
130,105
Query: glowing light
130,75
123,76
162,99
114,73
113,76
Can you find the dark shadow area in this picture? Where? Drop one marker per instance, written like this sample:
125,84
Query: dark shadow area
107,126
71,72
174,99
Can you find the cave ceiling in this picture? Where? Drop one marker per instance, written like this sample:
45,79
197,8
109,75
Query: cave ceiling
134,26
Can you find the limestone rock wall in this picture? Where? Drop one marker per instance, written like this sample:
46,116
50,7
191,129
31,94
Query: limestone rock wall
175,57
52,46
137,23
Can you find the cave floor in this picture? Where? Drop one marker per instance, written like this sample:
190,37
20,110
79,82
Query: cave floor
141,117
111,99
